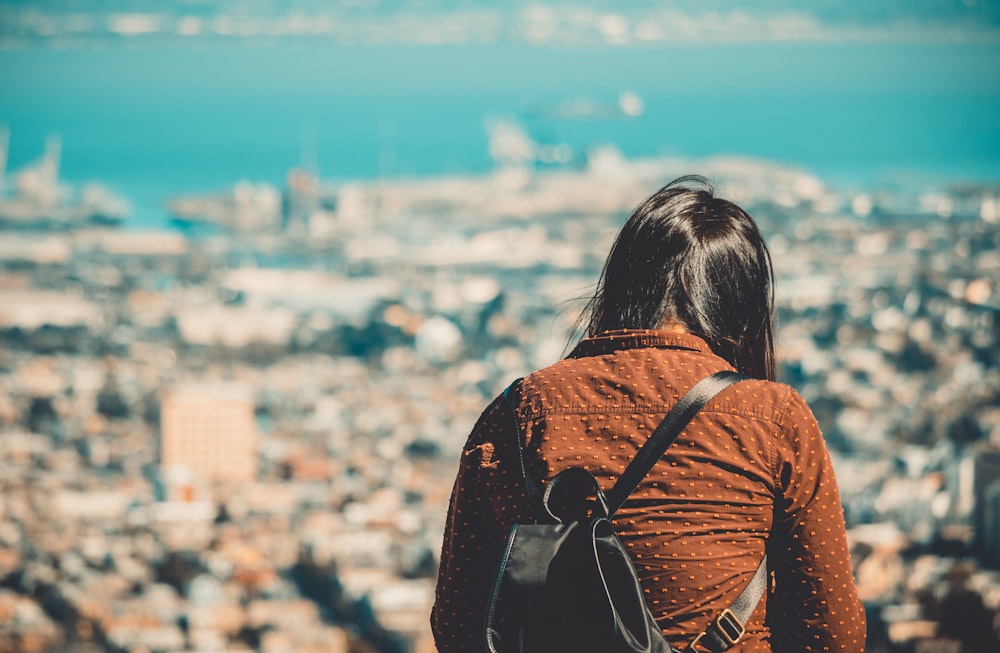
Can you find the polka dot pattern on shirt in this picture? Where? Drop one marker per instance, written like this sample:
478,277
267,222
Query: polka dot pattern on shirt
750,473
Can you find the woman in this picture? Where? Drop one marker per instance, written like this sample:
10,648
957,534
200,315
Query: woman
686,291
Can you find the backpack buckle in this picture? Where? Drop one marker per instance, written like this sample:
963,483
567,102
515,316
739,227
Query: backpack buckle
723,633
728,627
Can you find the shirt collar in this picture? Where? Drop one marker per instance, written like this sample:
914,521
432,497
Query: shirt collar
611,341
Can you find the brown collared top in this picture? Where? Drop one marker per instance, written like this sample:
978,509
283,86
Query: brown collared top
750,472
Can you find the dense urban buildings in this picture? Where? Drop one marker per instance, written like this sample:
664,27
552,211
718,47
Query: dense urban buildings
241,434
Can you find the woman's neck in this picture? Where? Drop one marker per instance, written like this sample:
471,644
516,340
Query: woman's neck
670,326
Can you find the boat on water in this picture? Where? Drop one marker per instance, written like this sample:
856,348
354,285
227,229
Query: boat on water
34,198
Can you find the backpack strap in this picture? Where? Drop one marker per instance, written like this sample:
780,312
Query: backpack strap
665,434
530,487
727,628
730,625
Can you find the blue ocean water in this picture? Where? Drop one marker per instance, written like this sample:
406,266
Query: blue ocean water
156,119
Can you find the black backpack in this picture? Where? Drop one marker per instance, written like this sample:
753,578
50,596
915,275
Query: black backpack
566,583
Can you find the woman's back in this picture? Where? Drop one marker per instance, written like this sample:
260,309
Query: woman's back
750,472
698,525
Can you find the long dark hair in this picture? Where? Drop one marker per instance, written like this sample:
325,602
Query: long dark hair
688,257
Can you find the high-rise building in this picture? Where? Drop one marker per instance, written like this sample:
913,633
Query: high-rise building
209,429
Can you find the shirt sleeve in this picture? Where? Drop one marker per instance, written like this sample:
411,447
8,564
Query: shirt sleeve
487,498
815,606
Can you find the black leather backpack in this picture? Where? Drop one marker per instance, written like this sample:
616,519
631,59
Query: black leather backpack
566,583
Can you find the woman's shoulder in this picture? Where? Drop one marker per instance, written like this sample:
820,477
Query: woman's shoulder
772,401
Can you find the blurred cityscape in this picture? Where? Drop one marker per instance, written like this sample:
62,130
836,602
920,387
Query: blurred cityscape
241,434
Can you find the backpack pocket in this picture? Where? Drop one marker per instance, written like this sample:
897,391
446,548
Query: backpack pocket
569,587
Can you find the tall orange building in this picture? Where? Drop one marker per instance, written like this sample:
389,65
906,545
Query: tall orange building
209,429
